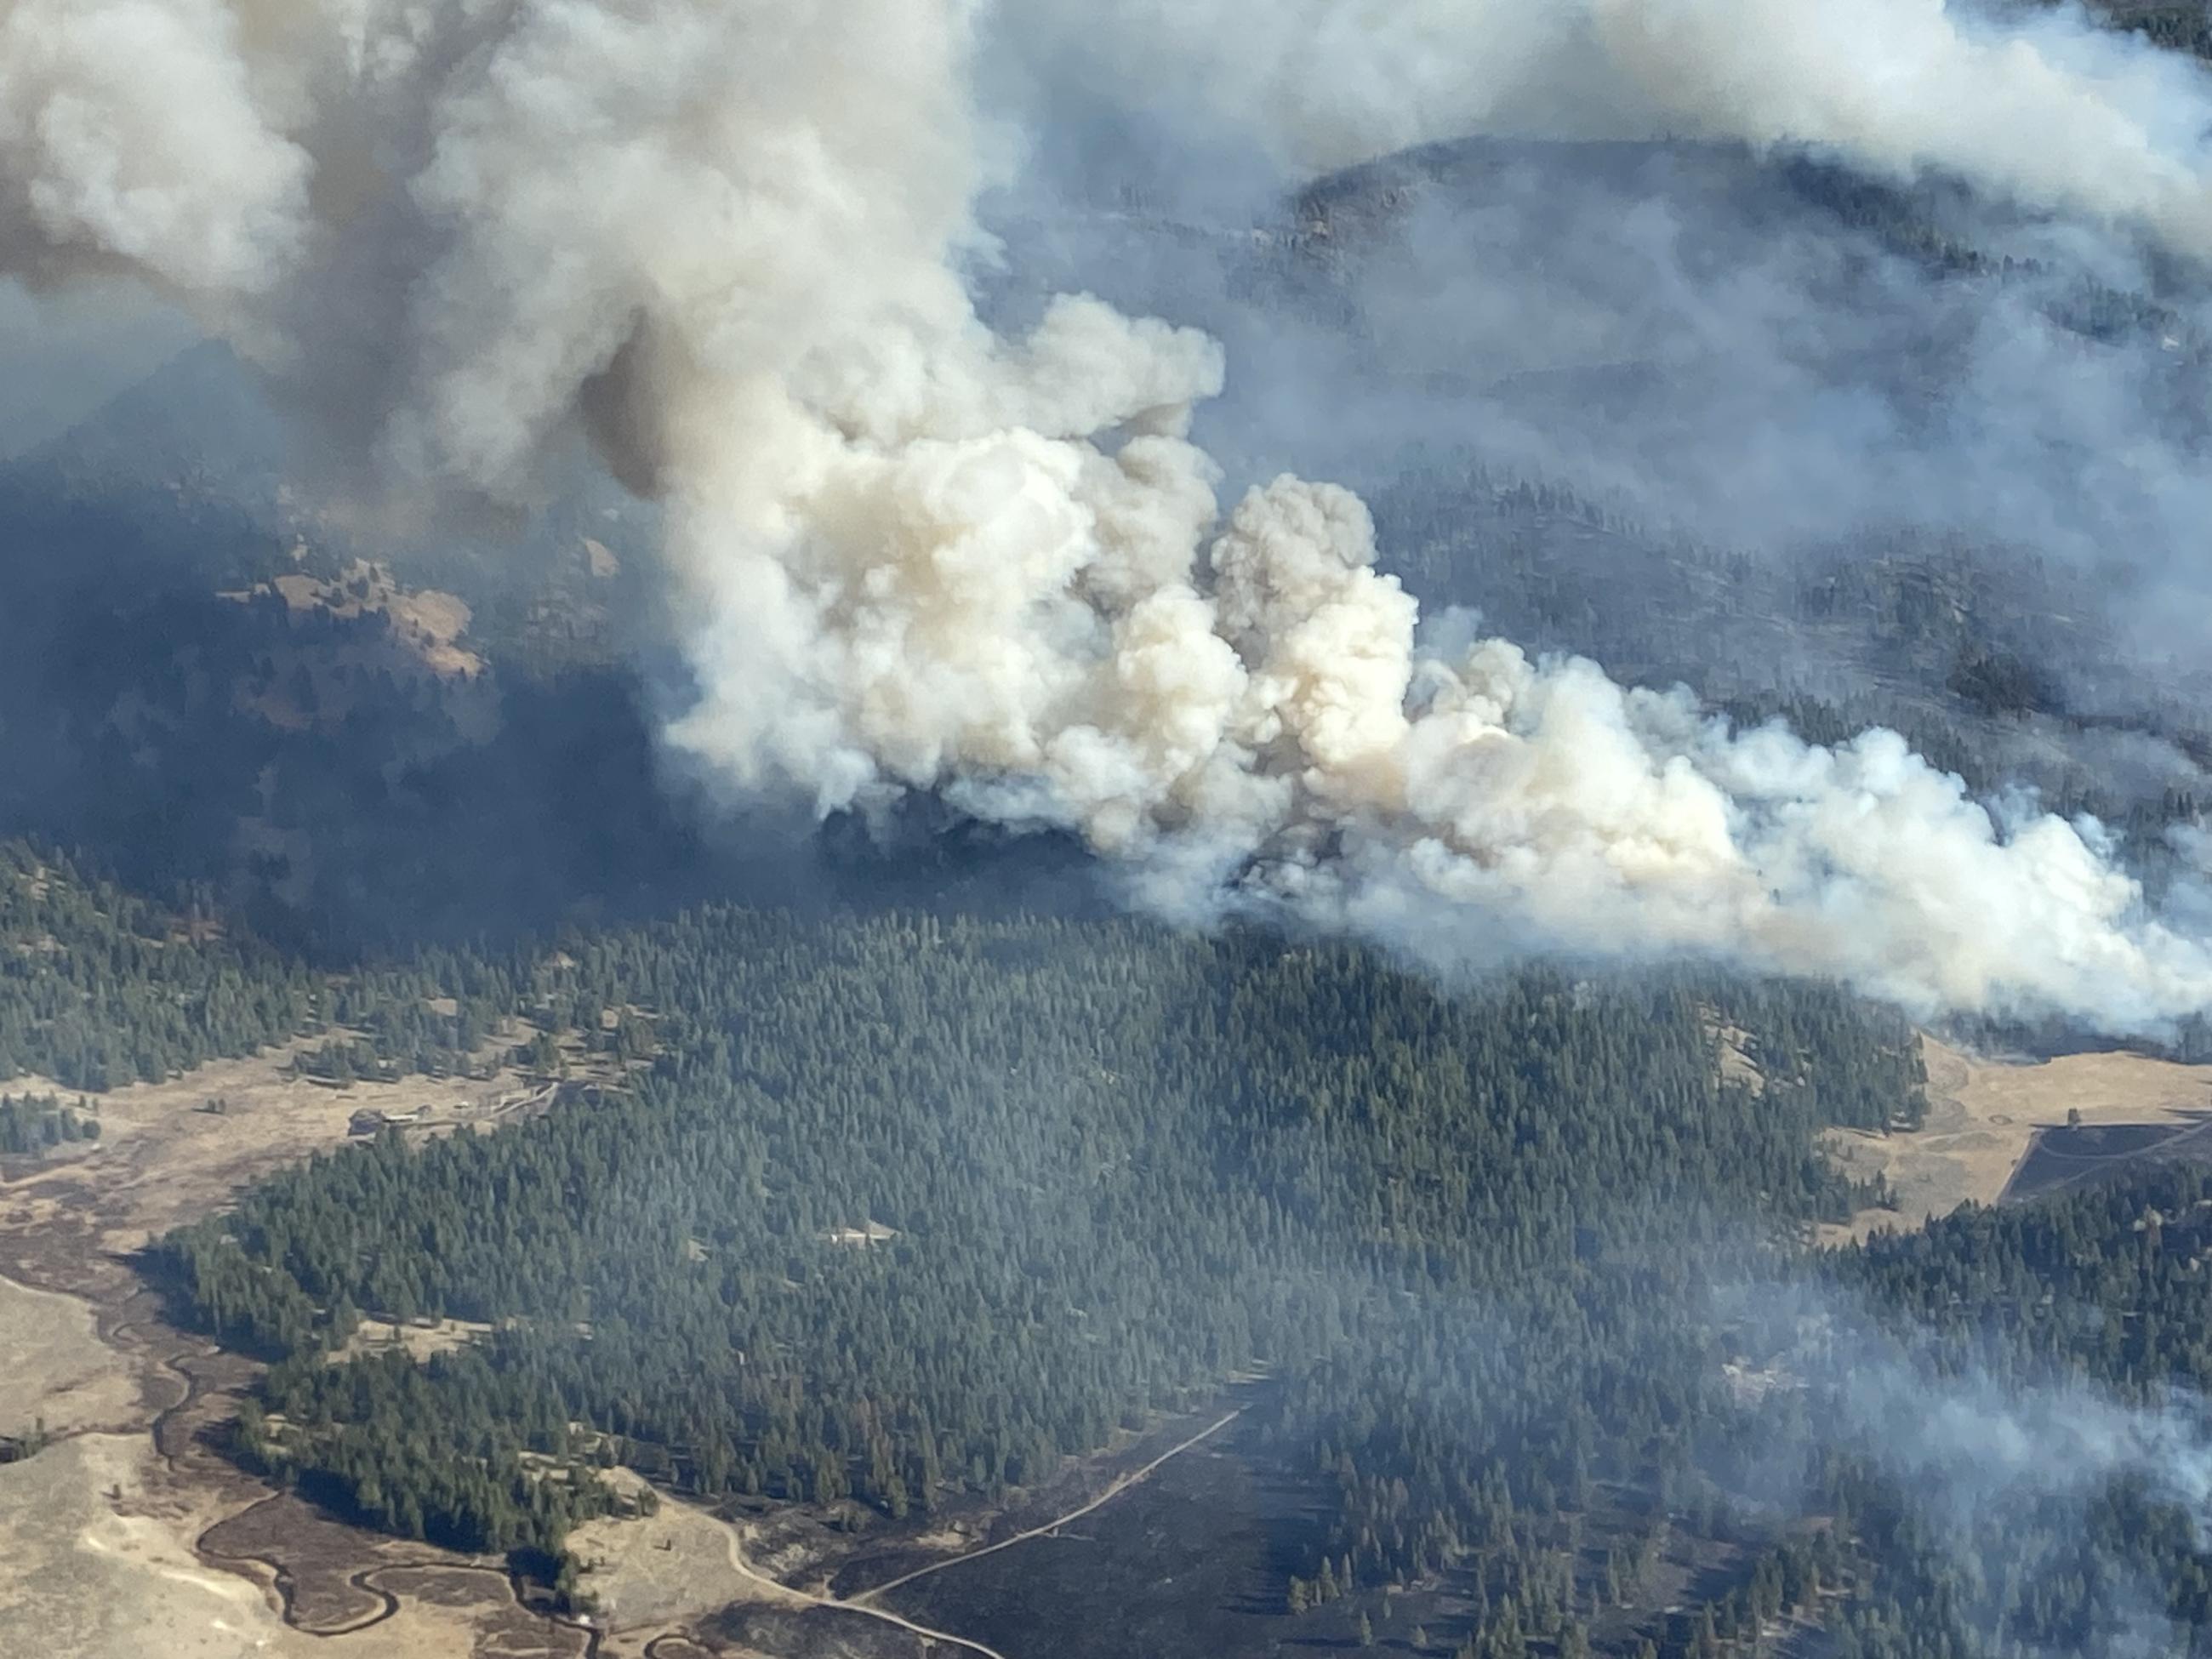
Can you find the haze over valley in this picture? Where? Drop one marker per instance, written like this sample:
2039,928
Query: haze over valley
927,828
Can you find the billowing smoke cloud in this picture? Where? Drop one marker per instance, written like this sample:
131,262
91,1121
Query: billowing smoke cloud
134,138
725,244
2057,114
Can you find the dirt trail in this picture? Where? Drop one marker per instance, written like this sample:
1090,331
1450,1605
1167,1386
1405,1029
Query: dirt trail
1983,1116
783,1592
864,1603
1120,1485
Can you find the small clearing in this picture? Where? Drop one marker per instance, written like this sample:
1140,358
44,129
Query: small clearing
423,1340
657,1574
1983,1113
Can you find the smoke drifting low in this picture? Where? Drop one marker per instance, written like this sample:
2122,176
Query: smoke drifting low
2037,104
725,245
1991,1459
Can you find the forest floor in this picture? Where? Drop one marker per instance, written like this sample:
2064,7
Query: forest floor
131,1534
1984,1116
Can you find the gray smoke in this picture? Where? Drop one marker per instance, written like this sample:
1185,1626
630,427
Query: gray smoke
725,244
1989,1464
2039,105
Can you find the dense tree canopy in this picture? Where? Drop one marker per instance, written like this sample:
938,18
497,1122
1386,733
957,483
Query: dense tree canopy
905,1206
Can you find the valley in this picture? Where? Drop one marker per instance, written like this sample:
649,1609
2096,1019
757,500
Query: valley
928,831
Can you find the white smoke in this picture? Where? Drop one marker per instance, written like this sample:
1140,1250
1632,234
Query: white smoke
1992,1458
133,139
2038,104
724,241
2053,112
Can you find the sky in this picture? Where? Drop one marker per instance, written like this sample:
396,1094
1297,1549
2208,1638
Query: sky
63,355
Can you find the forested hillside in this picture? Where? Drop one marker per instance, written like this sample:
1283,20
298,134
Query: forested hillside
100,988
1106,1168
2087,1536
903,1208
898,1183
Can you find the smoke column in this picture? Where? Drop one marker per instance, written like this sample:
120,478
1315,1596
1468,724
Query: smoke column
724,243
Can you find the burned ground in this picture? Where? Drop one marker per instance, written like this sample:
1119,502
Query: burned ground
1984,1116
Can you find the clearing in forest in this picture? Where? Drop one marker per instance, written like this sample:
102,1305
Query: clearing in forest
1984,1115
105,1545
171,1152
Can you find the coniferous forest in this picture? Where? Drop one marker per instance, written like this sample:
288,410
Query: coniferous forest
902,1209
874,1172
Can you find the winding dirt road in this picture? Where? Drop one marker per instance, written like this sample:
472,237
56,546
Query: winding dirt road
806,1598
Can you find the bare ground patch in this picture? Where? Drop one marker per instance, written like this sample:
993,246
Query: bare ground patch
133,1535
422,634
99,1560
1983,1115
58,1374
1737,1065
660,1574
422,1339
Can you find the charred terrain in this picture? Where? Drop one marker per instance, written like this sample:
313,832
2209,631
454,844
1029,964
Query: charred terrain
478,1176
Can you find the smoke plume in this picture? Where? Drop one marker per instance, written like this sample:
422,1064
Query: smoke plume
725,244
2039,105
1992,1458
